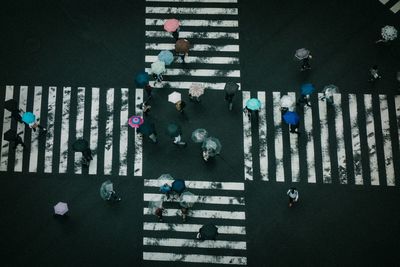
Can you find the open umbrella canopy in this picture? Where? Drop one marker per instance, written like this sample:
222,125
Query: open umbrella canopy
171,25
105,189
307,89
80,145
28,117
154,204
61,208
166,56
330,89
199,135
196,89
135,121
209,231
174,97
178,186
10,135
291,117
165,177
187,199
212,144
302,53
146,128
253,104
158,67
182,46
142,79
11,105
287,101
231,88
173,129
389,33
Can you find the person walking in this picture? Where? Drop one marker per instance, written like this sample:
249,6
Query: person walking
305,63
229,99
230,89
304,99
18,141
148,129
293,196
294,128
374,74
167,190
159,213
107,192
149,92
180,106
86,156
185,212
30,119
158,78
182,49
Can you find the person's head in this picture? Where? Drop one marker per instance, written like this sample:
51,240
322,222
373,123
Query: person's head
292,189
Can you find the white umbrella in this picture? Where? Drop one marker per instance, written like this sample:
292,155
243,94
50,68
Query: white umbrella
302,53
196,89
158,67
389,33
174,97
187,199
61,208
287,102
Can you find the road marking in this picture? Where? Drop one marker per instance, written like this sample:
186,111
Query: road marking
19,152
396,7
108,152
5,145
262,137
215,214
355,139
308,128
247,142
202,60
199,72
280,175
340,147
94,128
387,142
194,35
198,184
193,243
384,1
37,102
326,161
373,157
186,85
222,200
51,113
195,47
123,140
397,104
294,151
194,10
80,116
63,163
192,228
196,23
138,165
162,256
198,1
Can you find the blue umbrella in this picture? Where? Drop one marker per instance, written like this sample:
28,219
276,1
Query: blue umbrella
178,186
307,89
142,79
166,56
253,104
291,117
28,117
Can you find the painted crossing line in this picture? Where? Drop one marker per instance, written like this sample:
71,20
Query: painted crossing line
345,152
247,142
394,8
190,10
186,85
192,228
200,72
197,258
196,35
196,23
202,60
195,47
196,1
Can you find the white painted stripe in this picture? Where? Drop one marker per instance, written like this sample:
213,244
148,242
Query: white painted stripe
340,147
94,128
396,7
19,152
37,102
280,175
222,200
51,113
193,243
308,128
62,168
195,47
198,1
186,85
138,165
397,104
216,214
192,10
6,126
294,151
162,256
355,139
80,115
200,72
326,160
370,125
123,139
384,1
108,151
194,35
247,143
387,141
196,23
262,137
202,60
198,184
192,228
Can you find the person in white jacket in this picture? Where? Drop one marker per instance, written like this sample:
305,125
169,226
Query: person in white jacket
293,196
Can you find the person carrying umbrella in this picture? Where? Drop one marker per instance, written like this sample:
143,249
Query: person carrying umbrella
230,90
12,106
30,119
12,136
211,147
180,106
293,119
175,132
305,92
374,74
81,145
207,232
107,192
304,56
172,26
148,129
253,105
195,91
182,49
178,186
158,68
293,196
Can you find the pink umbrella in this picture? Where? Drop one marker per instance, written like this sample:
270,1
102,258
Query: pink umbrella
61,208
135,121
171,25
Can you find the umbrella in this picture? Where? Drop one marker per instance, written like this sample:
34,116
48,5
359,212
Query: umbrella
28,117
208,231
166,56
146,128
106,189
187,199
10,135
389,33
135,121
174,97
182,46
231,88
307,89
178,186
61,208
213,144
253,104
302,53
80,145
11,105
158,67
165,177
154,204
142,79
173,130
171,25
291,117
199,135
287,101
196,89
330,89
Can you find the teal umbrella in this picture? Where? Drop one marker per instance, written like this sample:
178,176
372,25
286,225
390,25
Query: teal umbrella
173,130
142,79
253,104
28,117
307,89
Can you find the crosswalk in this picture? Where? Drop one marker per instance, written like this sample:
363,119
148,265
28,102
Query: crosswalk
352,141
394,6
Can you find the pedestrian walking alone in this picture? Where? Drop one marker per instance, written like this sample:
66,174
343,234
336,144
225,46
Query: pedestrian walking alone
304,55
293,119
306,90
374,74
182,49
230,89
12,136
180,106
159,213
107,192
86,156
30,119
185,212
305,63
293,196
148,129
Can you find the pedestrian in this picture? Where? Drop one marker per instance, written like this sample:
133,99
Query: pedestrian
194,98
149,92
185,212
30,119
175,34
86,156
113,196
305,63
178,141
159,213
230,89
294,127
182,49
16,114
293,196
158,78
18,141
147,128
229,99
180,106
166,189
251,112
304,99
374,74
208,153
398,79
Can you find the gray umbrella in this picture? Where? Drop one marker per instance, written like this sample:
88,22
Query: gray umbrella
212,144
106,189
231,88
199,135
187,199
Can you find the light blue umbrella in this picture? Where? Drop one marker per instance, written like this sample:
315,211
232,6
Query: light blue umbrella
291,117
166,56
28,117
307,89
253,104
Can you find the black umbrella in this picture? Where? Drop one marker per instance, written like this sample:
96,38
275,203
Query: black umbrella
173,129
147,128
11,105
231,88
178,186
209,231
80,145
10,135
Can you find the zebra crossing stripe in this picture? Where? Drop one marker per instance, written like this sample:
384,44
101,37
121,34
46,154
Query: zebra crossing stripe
196,23
294,151
6,126
199,72
109,132
79,127
194,35
195,47
197,258
397,104
373,157
326,160
247,143
192,228
396,7
221,200
123,140
19,152
308,128
192,10
179,242
94,128
216,214
201,60
186,85
355,139
62,167
382,1
51,113
138,165
387,142
37,102
280,175
262,139
199,184
340,147
196,1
